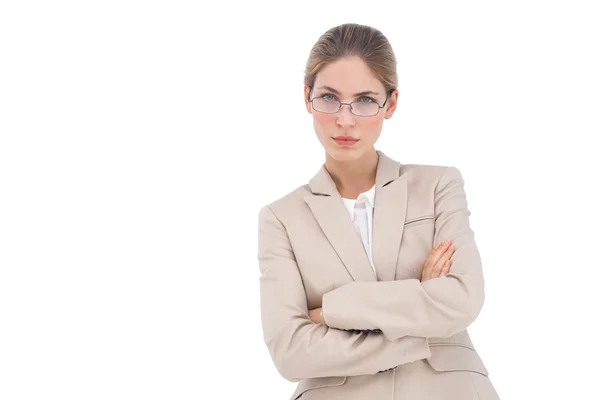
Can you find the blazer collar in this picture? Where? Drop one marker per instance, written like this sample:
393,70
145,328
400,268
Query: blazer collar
389,215
387,171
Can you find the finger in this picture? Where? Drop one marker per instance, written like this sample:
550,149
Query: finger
446,267
440,250
439,265
445,262
448,255
426,273
443,248
437,269
428,261
437,253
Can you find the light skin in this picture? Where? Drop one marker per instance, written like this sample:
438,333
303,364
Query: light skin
353,168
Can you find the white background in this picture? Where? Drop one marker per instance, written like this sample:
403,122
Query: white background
139,140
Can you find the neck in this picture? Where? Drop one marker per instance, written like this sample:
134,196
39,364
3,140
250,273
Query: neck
353,177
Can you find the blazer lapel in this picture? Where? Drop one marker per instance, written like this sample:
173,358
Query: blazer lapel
330,212
389,215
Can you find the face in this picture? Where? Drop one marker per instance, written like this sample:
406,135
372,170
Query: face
349,80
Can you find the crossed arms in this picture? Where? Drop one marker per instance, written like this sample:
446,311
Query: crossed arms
407,312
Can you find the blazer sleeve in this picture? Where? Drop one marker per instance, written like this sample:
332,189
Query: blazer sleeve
301,349
438,307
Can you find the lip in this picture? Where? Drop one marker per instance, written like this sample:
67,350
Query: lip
345,140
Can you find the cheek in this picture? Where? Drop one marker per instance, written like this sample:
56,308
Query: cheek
323,122
370,128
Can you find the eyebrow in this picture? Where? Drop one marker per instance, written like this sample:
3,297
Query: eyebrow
357,94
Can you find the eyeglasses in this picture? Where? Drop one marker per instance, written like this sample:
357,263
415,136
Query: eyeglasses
327,104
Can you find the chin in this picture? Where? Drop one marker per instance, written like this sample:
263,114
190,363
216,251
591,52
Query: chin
344,154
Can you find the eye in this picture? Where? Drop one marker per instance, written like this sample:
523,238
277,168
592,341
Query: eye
328,97
367,100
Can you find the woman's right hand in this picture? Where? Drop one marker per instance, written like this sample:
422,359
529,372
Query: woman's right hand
438,261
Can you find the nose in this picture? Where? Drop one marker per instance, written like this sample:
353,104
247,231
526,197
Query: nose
345,116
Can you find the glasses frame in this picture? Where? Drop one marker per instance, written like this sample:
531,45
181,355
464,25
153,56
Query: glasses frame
349,104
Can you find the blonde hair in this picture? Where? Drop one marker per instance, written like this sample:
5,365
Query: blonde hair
349,40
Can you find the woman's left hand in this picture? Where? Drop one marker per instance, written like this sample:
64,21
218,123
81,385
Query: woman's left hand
315,316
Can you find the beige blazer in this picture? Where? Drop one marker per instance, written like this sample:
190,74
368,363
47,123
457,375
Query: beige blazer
386,336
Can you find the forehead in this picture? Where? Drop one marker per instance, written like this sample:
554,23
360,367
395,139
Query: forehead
348,75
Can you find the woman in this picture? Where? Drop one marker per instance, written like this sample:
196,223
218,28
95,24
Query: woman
370,273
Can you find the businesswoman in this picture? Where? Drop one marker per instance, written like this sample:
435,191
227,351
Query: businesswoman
370,274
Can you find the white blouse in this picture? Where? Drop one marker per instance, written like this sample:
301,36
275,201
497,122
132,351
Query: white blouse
361,214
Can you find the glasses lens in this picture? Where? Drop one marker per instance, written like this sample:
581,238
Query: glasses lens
325,106
365,109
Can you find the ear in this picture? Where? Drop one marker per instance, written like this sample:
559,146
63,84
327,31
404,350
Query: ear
392,102
306,102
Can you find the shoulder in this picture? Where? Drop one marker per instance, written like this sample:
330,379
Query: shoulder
293,200
430,173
